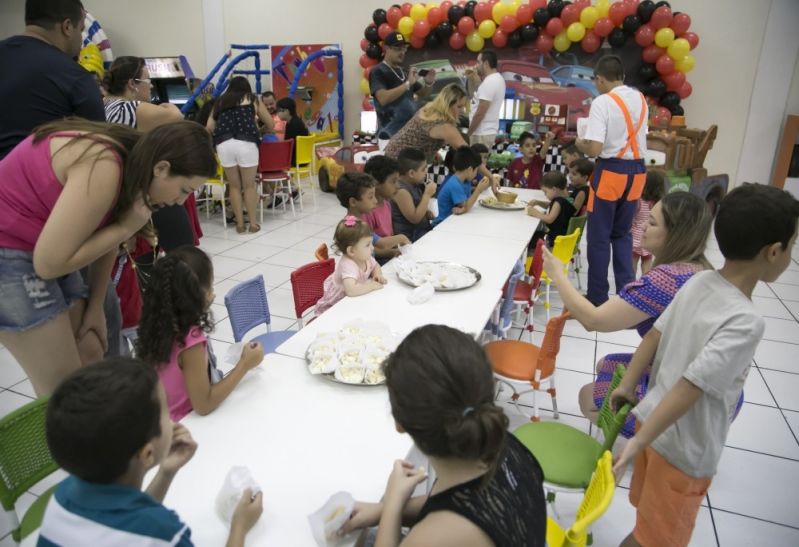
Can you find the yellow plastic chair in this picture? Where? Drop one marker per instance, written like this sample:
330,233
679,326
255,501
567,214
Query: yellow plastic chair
595,502
303,168
563,250
576,263
214,190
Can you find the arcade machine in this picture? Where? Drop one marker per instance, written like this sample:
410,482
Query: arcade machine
170,78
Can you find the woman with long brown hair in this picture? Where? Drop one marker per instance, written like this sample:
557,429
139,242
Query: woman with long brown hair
70,194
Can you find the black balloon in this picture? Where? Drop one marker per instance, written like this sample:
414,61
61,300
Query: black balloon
631,24
515,39
617,38
555,7
677,111
529,33
455,13
370,33
645,11
468,9
379,16
373,51
647,72
656,88
661,4
670,99
432,41
444,31
541,17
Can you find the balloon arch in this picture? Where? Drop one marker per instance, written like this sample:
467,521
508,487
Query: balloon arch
663,36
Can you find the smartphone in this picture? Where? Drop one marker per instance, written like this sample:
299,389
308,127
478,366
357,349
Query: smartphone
423,72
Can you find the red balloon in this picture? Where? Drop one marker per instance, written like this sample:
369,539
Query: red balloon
603,27
680,23
524,14
406,8
367,71
581,4
692,38
569,14
543,43
500,38
364,44
674,80
664,65
384,30
367,61
457,41
661,18
466,25
644,36
508,23
630,7
393,15
616,13
482,11
444,7
662,116
591,42
418,41
685,90
421,28
652,53
535,4
367,104
554,26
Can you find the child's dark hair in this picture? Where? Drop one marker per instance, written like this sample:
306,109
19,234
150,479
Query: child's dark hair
349,232
525,136
480,148
352,185
655,186
441,390
289,105
381,167
466,158
175,301
754,216
572,150
101,415
411,159
583,166
553,179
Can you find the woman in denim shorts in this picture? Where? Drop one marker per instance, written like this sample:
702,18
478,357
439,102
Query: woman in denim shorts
70,194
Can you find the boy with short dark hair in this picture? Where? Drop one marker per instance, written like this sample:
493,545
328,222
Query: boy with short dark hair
580,171
385,171
107,425
410,209
454,195
525,171
569,154
559,209
701,349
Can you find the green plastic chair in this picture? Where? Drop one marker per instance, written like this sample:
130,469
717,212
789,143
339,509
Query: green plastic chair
576,261
24,461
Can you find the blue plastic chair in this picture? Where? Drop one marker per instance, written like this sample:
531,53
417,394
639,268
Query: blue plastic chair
247,308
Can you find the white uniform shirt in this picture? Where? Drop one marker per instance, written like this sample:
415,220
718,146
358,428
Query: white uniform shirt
492,89
606,123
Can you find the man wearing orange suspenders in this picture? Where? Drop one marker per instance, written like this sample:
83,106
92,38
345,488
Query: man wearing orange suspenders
616,135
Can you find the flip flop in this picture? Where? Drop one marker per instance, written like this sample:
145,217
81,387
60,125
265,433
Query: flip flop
254,228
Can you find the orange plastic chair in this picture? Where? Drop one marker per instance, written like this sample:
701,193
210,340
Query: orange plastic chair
520,363
321,253
274,165
308,285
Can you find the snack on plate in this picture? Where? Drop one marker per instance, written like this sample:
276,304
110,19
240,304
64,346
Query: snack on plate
441,275
323,363
349,357
347,354
350,374
375,376
507,197
374,358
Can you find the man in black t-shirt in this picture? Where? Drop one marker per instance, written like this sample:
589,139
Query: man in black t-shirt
41,81
393,88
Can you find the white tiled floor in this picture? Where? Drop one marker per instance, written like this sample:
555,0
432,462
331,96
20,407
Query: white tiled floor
754,497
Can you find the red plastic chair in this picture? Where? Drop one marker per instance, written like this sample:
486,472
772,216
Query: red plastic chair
526,291
274,164
307,284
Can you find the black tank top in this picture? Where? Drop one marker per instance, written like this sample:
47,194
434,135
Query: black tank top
510,509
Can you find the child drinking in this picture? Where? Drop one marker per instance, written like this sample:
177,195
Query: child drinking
560,208
410,209
385,171
654,190
525,171
454,195
172,334
489,487
357,272
580,171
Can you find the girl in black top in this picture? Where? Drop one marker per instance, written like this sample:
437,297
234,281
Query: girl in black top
489,489
560,208
287,111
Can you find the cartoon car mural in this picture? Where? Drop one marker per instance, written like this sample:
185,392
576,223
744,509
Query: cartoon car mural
575,76
532,82
445,74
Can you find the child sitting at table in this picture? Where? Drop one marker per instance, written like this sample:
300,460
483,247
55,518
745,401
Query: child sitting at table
357,272
356,192
569,154
654,190
580,172
559,211
385,171
454,195
107,425
172,334
489,487
410,211
525,171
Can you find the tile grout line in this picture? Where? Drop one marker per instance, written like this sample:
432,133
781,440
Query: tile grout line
712,519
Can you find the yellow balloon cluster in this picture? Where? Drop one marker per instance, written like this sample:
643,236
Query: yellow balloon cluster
474,42
664,37
405,25
678,49
603,7
418,12
686,64
487,28
575,32
589,16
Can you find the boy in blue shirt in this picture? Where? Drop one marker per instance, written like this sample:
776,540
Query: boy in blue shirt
107,425
456,195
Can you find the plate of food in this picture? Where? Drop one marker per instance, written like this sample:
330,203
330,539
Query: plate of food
494,203
354,355
444,276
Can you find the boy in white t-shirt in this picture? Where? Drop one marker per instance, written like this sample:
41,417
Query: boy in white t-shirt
486,101
701,348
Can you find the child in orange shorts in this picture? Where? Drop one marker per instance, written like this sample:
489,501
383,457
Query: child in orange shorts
709,332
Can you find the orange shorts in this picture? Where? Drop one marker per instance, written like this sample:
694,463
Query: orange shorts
667,501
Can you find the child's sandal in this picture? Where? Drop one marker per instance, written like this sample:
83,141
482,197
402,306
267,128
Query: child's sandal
254,228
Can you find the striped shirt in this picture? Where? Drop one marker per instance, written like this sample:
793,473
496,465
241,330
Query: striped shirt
121,111
82,513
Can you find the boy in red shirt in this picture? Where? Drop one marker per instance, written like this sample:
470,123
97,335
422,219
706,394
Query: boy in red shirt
526,171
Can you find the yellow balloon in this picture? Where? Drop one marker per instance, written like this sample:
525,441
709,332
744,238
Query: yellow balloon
405,25
514,7
686,64
678,49
664,37
575,32
589,16
418,12
474,42
428,7
498,11
562,42
603,7
487,28
364,86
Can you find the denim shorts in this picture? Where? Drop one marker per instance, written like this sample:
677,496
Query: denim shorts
27,300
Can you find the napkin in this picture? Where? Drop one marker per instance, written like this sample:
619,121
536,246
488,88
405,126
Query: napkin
421,294
327,520
237,480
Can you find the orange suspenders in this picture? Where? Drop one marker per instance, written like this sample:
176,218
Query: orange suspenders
632,132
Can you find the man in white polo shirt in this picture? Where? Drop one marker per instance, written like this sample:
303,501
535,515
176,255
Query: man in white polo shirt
616,136
487,101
